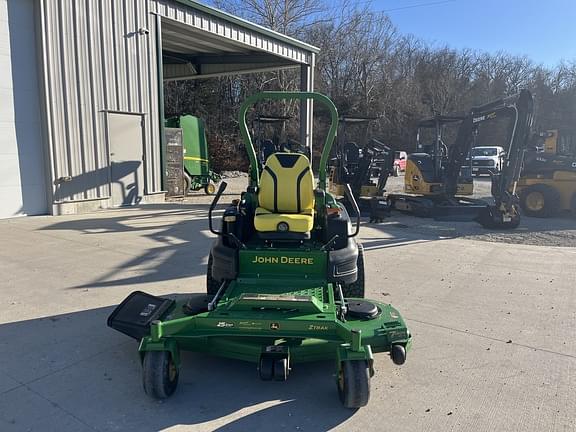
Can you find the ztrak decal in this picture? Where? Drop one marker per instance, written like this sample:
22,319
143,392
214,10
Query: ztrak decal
224,324
283,260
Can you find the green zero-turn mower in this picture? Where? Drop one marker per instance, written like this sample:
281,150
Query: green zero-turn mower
285,284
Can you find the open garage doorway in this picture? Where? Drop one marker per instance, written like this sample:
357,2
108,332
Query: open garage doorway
198,43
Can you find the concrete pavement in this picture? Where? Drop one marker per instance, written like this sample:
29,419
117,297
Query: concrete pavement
493,325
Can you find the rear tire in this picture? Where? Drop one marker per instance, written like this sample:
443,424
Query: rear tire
540,201
354,383
159,374
356,289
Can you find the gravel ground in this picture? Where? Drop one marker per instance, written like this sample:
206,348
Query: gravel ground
560,231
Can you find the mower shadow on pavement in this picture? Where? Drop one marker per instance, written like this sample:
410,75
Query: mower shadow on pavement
154,242
71,372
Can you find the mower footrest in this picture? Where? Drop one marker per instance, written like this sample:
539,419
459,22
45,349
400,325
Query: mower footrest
135,314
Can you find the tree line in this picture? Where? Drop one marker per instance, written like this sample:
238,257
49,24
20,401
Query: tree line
367,67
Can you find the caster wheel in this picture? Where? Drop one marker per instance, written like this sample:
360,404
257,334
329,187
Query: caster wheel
354,383
281,369
398,354
160,374
266,368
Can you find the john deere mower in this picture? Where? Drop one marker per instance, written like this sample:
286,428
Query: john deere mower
285,283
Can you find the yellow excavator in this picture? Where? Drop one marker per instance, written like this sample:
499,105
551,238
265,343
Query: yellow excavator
425,169
547,184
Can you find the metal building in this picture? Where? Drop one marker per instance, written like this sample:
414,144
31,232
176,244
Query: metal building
81,102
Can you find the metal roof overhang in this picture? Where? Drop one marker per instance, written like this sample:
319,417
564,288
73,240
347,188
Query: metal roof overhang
202,42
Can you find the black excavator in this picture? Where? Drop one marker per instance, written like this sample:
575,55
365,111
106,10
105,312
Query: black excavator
364,164
443,181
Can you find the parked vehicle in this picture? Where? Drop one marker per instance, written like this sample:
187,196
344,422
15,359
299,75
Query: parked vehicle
487,159
399,162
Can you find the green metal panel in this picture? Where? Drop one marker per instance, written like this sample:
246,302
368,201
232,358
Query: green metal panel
243,334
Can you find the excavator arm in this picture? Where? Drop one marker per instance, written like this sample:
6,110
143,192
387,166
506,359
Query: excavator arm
518,109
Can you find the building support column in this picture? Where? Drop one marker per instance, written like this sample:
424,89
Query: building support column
307,106
160,69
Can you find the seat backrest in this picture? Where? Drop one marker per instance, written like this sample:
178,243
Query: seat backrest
287,184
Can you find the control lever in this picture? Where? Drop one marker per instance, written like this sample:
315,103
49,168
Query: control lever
231,236
352,200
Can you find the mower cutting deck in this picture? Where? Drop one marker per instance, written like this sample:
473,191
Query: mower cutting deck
285,285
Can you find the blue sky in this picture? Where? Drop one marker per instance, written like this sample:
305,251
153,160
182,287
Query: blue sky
545,30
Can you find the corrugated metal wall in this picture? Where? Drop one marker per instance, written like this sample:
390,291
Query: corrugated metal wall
210,23
95,61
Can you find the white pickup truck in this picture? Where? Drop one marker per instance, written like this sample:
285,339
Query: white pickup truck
487,159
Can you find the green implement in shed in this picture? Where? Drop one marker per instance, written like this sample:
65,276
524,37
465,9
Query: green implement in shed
197,172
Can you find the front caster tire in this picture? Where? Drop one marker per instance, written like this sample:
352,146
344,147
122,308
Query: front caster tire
281,369
398,354
266,368
354,383
276,369
160,374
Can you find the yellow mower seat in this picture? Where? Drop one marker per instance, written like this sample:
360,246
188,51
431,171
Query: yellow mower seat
286,195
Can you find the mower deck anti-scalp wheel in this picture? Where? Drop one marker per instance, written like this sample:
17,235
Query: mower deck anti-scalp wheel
160,374
356,289
398,354
354,383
